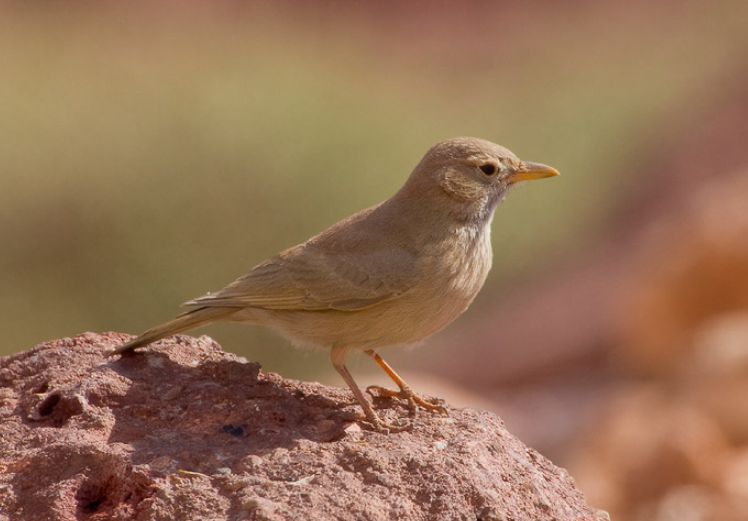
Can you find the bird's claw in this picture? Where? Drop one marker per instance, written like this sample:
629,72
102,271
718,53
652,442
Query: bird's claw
414,401
381,426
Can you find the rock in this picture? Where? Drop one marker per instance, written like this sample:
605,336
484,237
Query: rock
716,378
690,270
188,431
644,448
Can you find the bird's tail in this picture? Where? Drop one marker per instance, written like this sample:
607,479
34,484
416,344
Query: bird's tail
189,320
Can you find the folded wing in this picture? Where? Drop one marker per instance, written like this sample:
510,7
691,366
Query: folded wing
315,279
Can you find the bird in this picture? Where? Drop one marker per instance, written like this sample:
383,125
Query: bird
387,276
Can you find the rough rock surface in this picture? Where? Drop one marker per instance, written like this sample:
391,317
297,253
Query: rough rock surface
191,432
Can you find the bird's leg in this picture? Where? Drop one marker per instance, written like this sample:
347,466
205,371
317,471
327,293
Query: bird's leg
405,392
337,355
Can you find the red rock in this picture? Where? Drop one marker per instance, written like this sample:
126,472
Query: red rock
188,431
691,269
644,447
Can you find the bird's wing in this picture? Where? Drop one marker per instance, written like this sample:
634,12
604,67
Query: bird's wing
315,279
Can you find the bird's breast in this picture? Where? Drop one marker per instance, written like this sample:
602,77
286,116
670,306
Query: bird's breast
454,271
462,261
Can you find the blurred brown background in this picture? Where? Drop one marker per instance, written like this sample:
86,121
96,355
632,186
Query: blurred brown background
151,152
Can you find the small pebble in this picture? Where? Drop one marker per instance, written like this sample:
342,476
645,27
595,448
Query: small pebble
303,481
260,504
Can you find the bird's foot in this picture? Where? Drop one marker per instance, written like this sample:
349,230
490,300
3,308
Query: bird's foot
414,401
378,425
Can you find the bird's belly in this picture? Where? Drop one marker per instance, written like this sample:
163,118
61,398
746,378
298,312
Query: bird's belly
444,293
394,323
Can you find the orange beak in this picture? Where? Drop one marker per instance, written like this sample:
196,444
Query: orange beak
529,171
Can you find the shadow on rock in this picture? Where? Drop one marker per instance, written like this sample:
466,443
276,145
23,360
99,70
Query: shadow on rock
213,413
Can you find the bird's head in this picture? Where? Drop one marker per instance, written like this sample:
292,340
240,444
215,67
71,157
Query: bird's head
475,170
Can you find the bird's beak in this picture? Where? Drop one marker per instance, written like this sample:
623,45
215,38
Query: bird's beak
529,171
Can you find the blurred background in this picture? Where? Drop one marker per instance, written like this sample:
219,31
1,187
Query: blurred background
151,152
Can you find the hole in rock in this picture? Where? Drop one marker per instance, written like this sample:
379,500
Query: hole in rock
48,405
91,496
234,430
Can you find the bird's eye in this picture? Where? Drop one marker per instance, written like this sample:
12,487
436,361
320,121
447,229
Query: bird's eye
488,168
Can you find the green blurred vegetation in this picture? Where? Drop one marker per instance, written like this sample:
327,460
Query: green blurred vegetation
148,157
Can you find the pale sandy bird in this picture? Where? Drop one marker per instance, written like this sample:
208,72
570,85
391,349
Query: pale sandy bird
390,275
